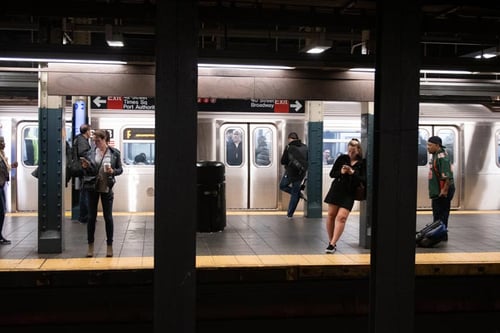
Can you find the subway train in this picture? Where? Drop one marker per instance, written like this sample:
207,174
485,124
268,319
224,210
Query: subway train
470,132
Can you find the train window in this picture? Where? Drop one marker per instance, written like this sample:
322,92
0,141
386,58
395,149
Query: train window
335,144
498,147
29,149
448,138
234,146
138,146
423,154
263,144
30,145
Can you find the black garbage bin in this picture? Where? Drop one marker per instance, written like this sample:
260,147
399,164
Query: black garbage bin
211,213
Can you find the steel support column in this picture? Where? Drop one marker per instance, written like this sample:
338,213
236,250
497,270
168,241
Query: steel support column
314,116
51,170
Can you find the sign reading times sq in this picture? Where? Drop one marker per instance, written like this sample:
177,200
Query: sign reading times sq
122,103
204,104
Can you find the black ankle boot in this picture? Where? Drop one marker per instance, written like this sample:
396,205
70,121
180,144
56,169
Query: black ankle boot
4,241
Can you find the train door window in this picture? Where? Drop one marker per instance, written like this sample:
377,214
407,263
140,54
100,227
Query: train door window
497,136
423,154
30,145
29,149
138,146
448,138
234,146
335,143
263,143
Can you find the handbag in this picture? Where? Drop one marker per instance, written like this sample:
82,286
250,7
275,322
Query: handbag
111,181
360,192
90,183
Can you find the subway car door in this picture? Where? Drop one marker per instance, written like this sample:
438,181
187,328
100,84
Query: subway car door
27,152
450,137
249,152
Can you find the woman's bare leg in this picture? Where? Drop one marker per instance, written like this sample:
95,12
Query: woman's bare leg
340,220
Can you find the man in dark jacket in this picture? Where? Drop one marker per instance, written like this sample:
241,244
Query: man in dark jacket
81,147
295,160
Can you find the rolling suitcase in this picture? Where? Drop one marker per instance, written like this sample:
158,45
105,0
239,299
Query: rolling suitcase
431,234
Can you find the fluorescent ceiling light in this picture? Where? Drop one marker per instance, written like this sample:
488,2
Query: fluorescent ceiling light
113,39
316,44
202,65
438,71
370,70
317,49
423,71
485,56
72,61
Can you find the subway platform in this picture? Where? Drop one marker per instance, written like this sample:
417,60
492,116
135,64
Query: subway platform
262,271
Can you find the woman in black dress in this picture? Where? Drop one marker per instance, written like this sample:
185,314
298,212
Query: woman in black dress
347,172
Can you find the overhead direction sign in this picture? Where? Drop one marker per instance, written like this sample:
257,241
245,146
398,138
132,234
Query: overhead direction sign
251,105
122,103
204,104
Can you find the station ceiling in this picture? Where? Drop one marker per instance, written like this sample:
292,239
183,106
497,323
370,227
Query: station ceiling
453,32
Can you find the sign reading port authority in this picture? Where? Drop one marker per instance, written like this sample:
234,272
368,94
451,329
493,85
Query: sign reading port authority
122,103
251,105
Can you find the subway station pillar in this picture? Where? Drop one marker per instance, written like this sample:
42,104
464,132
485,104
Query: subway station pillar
51,170
365,225
314,118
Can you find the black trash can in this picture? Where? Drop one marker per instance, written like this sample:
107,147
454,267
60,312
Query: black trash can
211,213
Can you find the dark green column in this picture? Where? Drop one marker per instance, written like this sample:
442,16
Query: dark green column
51,175
314,114
365,207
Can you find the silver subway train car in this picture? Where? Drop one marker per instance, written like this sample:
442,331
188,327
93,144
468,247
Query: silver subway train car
471,133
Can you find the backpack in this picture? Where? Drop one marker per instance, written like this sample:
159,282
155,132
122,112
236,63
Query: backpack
431,234
299,164
73,164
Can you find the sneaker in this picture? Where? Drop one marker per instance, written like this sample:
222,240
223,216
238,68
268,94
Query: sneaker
303,196
331,248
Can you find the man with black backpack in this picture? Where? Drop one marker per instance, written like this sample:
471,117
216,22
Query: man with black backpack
295,160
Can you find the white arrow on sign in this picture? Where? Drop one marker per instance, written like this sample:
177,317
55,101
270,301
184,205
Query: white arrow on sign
297,105
98,101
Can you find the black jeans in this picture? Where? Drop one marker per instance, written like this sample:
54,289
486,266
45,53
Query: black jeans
3,208
441,207
84,204
292,188
107,212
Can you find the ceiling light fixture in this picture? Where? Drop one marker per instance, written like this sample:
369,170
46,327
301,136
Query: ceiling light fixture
317,44
240,66
113,39
485,56
72,61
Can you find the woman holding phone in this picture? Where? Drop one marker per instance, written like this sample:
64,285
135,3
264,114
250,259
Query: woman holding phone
104,162
347,172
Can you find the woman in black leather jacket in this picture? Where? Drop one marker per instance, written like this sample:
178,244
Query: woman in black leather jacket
104,162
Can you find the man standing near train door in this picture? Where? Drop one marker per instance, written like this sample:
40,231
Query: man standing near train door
295,160
5,168
81,147
441,184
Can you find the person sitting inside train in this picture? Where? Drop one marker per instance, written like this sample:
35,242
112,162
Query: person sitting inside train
234,149
262,152
140,159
